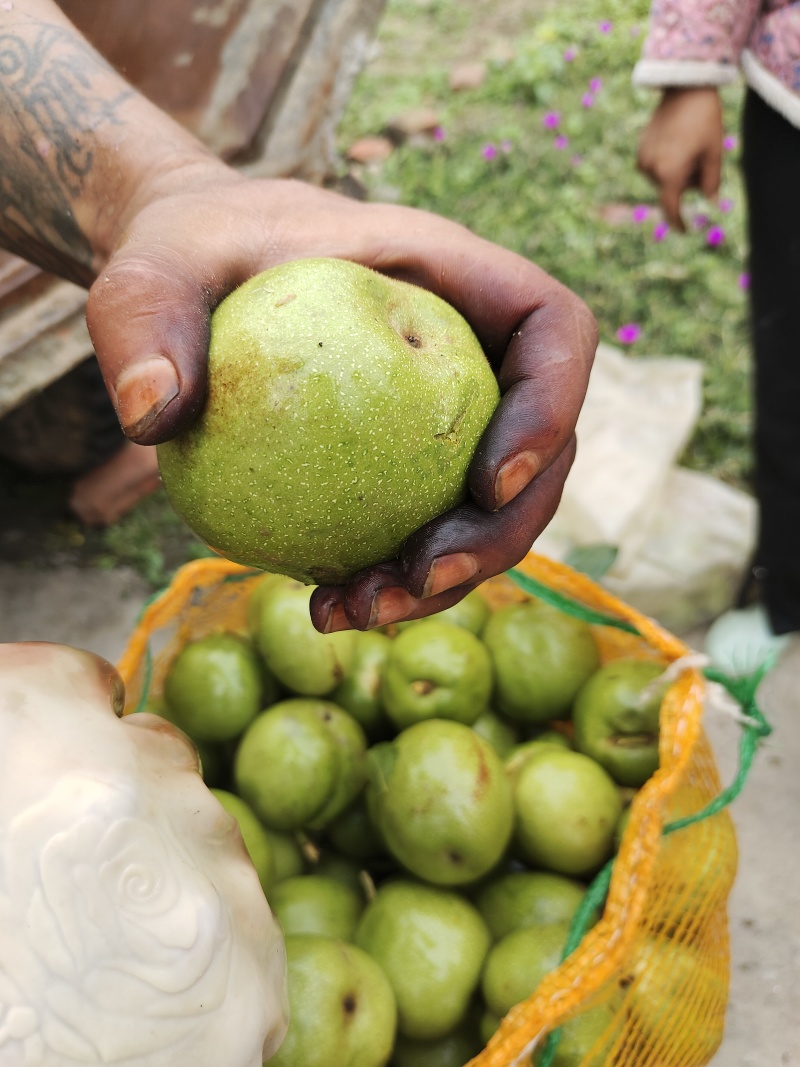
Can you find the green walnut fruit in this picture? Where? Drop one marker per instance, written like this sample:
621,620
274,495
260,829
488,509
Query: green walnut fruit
431,943
616,715
314,904
342,413
305,661
213,688
501,735
587,1040
677,998
359,692
436,671
518,962
441,801
528,898
471,613
541,659
300,764
341,1007
567,810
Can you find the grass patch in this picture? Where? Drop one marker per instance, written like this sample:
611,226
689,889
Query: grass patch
541,158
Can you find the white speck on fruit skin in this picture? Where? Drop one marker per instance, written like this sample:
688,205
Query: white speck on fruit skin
344,450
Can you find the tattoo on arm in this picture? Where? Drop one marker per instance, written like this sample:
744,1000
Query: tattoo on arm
51,104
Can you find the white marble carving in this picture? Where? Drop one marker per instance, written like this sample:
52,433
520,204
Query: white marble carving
133,929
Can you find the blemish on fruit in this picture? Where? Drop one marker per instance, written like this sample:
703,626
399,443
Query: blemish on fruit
285,300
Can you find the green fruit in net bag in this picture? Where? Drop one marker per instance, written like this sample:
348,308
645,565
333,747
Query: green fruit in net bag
541,659
341,1007
342,413
214,687
431,943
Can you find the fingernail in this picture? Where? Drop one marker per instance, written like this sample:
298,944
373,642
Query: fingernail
142,392
514,475
449,571
337,620
390,605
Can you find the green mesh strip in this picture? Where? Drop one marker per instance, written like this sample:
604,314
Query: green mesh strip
565,604
754,728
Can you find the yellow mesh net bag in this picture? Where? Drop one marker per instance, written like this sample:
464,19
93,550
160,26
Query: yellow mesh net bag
660,953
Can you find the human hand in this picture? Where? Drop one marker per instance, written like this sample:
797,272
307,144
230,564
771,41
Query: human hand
681,148
192,235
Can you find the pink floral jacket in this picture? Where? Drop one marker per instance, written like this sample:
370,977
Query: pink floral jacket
705,42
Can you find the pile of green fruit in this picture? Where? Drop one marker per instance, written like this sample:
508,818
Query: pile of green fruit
420,828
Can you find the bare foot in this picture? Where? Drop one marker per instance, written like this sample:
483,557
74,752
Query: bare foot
106,493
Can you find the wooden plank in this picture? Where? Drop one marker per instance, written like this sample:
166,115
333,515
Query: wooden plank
56,350
264,83
298,137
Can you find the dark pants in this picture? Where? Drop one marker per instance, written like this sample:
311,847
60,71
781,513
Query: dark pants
771,161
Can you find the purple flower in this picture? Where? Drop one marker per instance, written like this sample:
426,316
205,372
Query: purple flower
551,120
629,333
660,231
506,146
605,26
560,141
715,236
438,134
640,213
726,205
744,280
700,221
587,100
489,151
570,54
595,85
729,143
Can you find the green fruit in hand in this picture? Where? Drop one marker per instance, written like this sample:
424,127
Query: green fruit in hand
516,964
286,854
436,671
359,692
305,661
677,996
314,904
353,833
342,413
614,725
586,1040
213,687
454,1050
300,763
471,613
442,801
431,943
567,808
256,840
341,1007
541,659
528,898
501,735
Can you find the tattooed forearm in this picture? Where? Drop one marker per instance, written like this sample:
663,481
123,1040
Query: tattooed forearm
54,98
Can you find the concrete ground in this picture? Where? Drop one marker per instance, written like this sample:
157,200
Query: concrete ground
97,609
